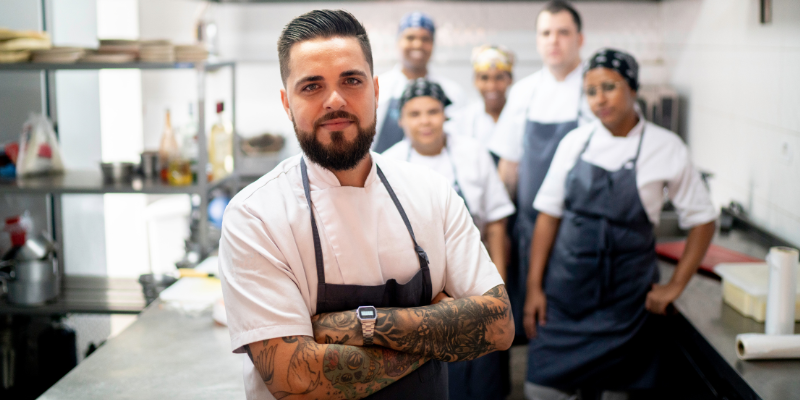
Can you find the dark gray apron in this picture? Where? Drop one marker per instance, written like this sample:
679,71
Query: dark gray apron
602,265
391,132
539,144
430,380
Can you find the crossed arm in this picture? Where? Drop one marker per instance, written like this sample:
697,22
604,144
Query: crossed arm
332,365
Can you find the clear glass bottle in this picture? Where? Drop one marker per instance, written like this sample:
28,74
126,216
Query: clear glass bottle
168,148
220,149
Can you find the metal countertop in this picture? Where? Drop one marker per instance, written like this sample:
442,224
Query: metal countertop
701,304
165,354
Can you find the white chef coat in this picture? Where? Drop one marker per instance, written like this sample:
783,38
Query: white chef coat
266,254
663,163
393,82
541,98
464,158
472,121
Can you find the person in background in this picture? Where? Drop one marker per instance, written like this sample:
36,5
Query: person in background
415,40
593,283
541,109
493,67
466,164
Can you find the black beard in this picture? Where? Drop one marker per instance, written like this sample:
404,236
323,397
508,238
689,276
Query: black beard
340,155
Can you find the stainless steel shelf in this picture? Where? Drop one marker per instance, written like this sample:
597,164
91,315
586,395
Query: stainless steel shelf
91,182
208,66
88,294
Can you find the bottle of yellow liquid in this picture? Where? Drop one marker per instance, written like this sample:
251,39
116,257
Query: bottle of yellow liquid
220,148
167,149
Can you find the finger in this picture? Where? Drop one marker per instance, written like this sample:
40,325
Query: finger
542,313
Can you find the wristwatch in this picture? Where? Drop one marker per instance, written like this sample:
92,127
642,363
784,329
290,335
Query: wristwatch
367,315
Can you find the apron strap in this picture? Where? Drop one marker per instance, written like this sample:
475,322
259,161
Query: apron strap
314,231
639,148
420,252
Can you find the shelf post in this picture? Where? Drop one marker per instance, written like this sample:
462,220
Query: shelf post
202,159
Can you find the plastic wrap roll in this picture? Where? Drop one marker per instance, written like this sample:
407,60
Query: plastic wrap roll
754,346
782,263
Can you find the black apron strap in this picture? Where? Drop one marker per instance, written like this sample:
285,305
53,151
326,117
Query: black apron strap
314,231
420,252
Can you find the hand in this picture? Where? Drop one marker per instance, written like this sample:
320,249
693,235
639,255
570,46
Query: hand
660,297
442,296
535,311
337,328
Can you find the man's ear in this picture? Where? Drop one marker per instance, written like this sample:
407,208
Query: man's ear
580,39
377,91
285,103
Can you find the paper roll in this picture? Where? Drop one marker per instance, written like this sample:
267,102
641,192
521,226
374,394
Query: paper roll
782,263
754,346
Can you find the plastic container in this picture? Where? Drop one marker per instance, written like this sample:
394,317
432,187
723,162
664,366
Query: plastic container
745,287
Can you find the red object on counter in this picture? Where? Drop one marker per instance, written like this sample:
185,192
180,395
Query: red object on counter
715,255
15,229
12,151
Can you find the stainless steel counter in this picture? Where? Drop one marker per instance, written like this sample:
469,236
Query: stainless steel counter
163,355
701,304
88,294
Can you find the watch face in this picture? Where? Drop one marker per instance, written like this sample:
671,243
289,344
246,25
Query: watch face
367,312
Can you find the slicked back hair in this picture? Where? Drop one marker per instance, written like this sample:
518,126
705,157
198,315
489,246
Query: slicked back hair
556,6
321,24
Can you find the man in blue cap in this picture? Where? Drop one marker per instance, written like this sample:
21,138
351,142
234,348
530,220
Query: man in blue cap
415,41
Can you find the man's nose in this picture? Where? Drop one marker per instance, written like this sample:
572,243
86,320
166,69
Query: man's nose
334,101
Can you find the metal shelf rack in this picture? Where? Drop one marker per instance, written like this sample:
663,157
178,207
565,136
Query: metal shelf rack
91,182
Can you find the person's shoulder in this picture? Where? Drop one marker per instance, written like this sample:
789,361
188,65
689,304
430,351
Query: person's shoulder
268,188
410,174
398,151
579,135
527,83
664,140
465,144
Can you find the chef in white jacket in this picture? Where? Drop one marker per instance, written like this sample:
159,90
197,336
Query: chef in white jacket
415,40
466,164
493,66
541,109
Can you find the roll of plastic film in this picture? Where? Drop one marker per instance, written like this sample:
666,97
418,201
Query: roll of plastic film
782,263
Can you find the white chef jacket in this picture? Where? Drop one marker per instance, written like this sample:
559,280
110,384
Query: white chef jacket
472,121
464,158
538,97
663,163
393,82
266,253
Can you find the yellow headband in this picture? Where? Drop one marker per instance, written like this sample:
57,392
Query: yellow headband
487,57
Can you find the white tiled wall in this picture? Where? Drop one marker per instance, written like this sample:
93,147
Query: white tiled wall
743,89
739,78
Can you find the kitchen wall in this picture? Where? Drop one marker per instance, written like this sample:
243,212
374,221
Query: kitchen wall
741,82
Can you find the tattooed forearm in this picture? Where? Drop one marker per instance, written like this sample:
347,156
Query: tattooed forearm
457,330
298,366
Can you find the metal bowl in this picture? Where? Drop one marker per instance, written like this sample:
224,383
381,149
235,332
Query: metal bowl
114,172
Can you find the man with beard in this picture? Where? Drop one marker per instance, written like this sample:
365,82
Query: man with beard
335,265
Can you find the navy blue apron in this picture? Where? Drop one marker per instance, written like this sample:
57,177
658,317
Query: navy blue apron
430,380
539,144
602,265
486,377
390,132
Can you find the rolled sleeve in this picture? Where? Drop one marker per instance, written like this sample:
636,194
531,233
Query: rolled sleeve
261,293
690,196
469,270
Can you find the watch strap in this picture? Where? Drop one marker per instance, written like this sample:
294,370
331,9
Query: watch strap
367,331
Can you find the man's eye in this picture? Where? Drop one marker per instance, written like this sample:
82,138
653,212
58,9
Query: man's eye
352,81
311,87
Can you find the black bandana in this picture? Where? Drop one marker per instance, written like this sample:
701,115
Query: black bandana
422,87
618,61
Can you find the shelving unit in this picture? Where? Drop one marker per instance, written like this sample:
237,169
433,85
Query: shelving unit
91,182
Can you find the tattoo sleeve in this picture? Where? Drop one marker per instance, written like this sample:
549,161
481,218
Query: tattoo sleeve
298,366
456,330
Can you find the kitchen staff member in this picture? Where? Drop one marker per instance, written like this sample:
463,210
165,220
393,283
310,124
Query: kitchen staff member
314,252
470,170
415,41
493,66
593,283
541,109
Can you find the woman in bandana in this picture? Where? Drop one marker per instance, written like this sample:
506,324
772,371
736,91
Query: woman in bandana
493,67
467,165
593,283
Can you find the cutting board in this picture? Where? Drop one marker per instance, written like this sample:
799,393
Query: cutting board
715,255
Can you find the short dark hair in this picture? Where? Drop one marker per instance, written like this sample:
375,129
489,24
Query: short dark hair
556,6
324,24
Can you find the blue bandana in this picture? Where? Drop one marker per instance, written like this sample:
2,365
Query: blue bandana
417,19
